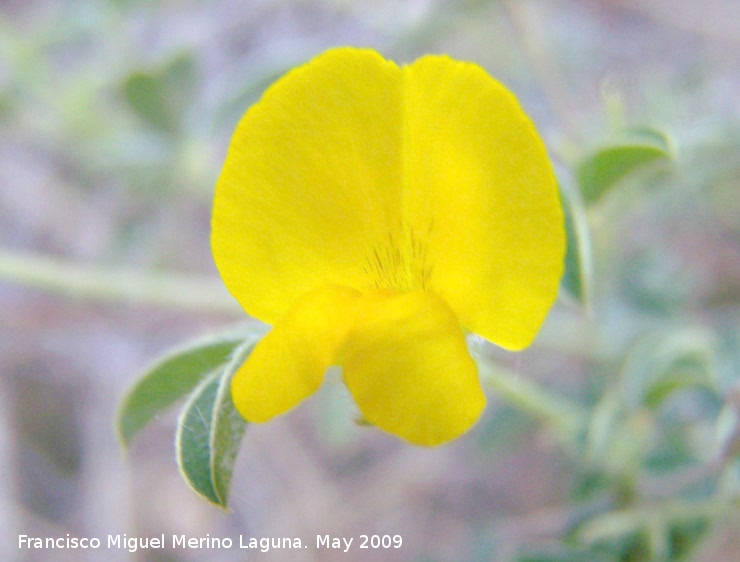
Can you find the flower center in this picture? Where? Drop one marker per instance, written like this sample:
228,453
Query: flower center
400,262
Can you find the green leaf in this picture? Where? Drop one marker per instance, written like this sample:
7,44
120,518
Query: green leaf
160,97
661,363
606,419
605,167
194,438
578,276
728,430
613,525
173,376
562,553
180,81
145,94
209,433
227,428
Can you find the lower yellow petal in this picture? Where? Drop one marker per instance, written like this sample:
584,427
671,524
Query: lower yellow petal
288,364
407,365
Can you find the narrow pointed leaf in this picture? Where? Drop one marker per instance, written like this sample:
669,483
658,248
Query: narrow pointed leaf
660,364
194,438
228,428
210,431
173,376
604,168
683,360
578,277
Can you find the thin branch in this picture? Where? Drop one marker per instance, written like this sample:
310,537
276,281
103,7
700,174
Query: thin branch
54,275
566,416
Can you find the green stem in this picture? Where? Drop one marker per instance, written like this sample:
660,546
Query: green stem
91,282
565,416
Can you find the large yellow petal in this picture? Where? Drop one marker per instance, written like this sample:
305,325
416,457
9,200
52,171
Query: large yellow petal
289,363
352,171
480,193
408,368
311,182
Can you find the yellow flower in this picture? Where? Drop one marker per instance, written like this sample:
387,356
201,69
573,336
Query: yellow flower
373,214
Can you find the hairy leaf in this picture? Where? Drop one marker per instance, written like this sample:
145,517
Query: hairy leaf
209,433
173,376
605,167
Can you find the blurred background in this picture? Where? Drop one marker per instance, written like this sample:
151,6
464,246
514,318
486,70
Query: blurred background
114,120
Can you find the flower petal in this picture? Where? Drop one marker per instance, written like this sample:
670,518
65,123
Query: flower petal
288,364
355,172
407,365
481,194
311,182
